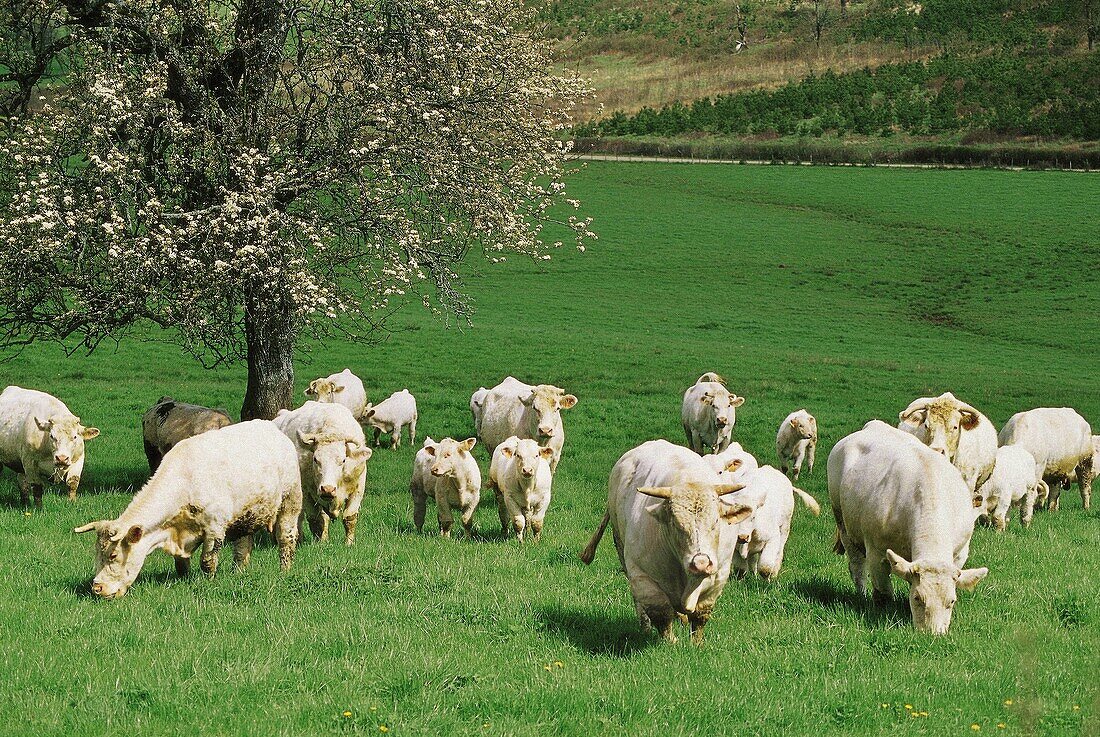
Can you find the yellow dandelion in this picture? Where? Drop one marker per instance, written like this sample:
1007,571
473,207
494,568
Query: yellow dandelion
914,714
547,667
383,728
374,708
976,727
347,713
885,706
909,707
26,514
923,713
559,664
485,726
1076,707
1000,725
1008,702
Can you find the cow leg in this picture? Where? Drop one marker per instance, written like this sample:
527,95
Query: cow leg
286,536
536,529
443,513
395,437
518,524
24,490
771,558
242,552
810,450
36,491
857,565
468,519
412,432
420,503
882,588
349,529
799,455
153,455
1027,505
316,523
211,546
651,601
73,484
698,620
1085,473
183,565
502,510
377,434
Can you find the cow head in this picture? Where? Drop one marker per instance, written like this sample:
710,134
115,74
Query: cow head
805,425
336,461
448,455
939,422
545,403
692,520
64,441
932,589
723,406
323,390
526,454
120,553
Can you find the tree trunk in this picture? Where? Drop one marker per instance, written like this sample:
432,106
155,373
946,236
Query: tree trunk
269,332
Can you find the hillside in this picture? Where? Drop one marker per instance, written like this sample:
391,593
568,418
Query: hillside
1016,71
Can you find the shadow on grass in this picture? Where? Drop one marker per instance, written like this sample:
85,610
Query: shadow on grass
828,594
597,633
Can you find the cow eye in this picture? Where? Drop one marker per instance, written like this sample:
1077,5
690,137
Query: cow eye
113,556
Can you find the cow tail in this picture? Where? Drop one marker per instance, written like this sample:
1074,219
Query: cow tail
589,551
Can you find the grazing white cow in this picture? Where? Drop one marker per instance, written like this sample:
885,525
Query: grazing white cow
708,414
514,408
391,415
42,441
343,388
332,456
477,400
796,442
674,527
762,538
1015,480
447,472
903,507
957,431
520,475
221,485
1061,441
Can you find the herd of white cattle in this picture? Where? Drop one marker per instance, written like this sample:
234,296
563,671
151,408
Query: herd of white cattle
905,499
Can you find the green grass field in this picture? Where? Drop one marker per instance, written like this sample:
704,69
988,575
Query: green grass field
848,292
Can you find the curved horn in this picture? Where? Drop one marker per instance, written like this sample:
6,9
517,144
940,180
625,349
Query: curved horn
660,492
87,528
915,406
723,489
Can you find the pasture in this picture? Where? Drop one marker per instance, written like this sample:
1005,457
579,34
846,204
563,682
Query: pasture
848,292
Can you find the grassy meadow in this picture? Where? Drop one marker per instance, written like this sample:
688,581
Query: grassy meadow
845,291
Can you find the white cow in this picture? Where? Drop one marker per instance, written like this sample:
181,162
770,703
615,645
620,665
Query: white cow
447,472
708,414
959,432
674,535
762,538
1015,480
520,475
343,388
332,456
221,485
477,400
514,408
903,507
796,442
42,441
391,415
1061,442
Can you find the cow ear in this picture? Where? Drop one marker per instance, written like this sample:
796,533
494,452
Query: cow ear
794,422
468,444
568,401
430,449
901,566
89,432
970,577
736,401
723,489
370,413
307,439
708,397
735,464
528,400
912,415
546,453
659,492
339,388
357,453
507,451
133,535
43,425
970,419
736,513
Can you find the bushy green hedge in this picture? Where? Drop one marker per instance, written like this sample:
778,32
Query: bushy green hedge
1047,96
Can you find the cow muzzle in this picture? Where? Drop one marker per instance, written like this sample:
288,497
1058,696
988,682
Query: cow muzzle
546,432
436,472
61,459
701,565
327,492
721,421
527,472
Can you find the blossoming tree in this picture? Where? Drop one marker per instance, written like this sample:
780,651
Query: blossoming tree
247,173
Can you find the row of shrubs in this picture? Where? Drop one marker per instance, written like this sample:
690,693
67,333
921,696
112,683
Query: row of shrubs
1004,93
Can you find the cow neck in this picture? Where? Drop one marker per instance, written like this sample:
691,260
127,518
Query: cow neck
150,508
